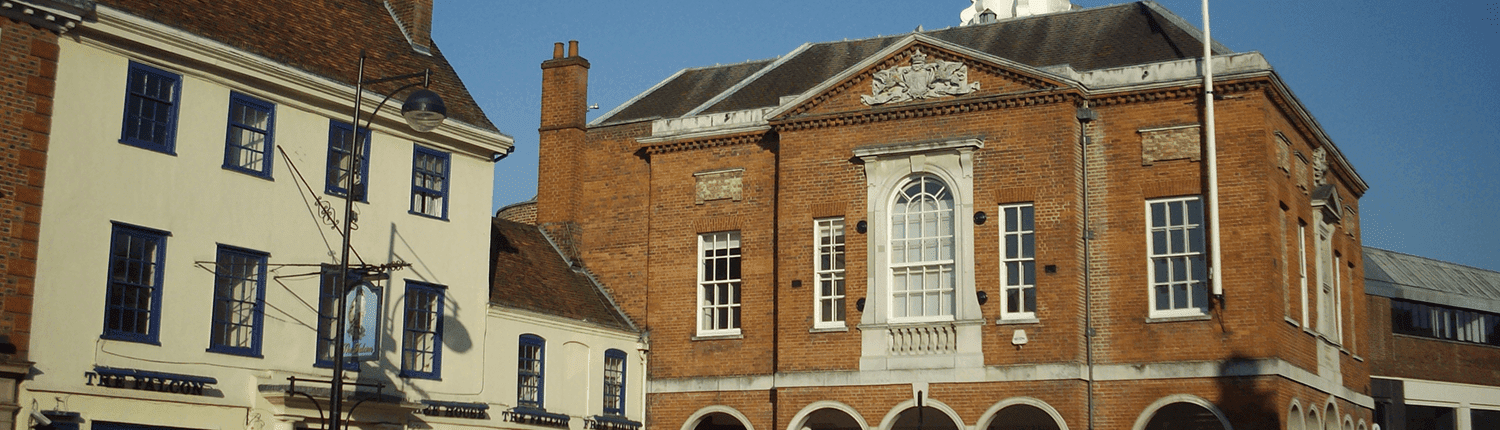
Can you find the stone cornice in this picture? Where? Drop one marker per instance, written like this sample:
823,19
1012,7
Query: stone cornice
928,109
1175,93
58,16
705,142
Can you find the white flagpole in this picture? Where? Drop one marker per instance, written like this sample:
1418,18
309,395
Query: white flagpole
1216,275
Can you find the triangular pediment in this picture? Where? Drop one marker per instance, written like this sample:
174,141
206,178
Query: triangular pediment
919,69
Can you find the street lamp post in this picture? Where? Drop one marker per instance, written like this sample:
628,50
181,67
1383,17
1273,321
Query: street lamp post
423,111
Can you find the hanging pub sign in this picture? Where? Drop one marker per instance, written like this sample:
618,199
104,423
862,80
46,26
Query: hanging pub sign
148,381
362,322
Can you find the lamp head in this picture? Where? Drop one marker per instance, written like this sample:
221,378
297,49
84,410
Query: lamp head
424,110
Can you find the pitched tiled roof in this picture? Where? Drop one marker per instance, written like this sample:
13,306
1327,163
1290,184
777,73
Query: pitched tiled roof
1085,39
320,37
1396,275
530,274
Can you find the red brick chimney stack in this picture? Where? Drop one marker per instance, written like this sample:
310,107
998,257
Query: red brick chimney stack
565,94
415,18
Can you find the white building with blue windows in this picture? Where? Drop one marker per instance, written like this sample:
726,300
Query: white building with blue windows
193,227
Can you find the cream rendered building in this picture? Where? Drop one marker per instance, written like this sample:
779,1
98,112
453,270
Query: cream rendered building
191,209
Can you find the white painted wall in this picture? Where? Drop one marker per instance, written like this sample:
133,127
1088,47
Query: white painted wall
93,180
573,373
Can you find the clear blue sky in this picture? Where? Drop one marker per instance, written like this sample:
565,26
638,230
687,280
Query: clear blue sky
1407,90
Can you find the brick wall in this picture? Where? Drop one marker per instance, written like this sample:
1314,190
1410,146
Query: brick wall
637,215
27,78
1404,356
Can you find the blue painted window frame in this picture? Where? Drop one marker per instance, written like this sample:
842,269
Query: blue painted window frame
338,148
150,117
234,150
230,303
423,321
531,368
429,181
126,258
327,306
614,383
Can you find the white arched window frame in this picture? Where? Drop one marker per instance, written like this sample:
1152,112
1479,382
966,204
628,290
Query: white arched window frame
921,239
889,337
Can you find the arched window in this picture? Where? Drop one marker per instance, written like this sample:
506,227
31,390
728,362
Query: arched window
922,278
1294,419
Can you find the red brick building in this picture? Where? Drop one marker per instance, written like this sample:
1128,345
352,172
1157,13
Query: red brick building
996,226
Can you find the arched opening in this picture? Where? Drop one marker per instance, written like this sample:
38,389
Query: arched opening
1330,418
923,418
1023,417
1184,416
1294,418
719,421
830,419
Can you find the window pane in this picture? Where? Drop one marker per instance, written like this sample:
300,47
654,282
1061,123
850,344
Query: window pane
1028,246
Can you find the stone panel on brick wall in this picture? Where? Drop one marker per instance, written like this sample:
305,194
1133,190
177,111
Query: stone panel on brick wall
719,185
1170,143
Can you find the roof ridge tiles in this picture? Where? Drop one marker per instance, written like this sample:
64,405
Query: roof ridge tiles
742,63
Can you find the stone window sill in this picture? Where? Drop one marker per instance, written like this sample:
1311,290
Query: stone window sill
1203,317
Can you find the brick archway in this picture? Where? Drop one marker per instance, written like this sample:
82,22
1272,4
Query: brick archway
828,415
1022,413
717,417
932,415
1182,412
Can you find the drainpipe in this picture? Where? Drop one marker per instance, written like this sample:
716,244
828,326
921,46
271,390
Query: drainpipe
775,282
1086,115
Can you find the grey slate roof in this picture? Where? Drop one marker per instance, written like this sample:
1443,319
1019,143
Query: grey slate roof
1085,39
688,89
1402,276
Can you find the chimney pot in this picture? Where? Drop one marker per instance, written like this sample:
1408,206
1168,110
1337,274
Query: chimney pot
557,50
572,48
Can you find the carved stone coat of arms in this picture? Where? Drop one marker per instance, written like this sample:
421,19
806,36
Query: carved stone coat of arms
919,81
